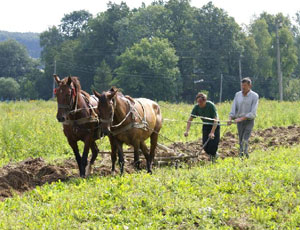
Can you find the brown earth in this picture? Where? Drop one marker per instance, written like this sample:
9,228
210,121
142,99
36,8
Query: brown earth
26,175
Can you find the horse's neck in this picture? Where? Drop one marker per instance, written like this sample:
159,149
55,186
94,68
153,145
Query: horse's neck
122,108
81,106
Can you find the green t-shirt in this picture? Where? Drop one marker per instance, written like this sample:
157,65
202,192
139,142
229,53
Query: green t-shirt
209,110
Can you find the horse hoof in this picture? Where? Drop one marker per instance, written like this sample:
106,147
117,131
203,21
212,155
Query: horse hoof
82,176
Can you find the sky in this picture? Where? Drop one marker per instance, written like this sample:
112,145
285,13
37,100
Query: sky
39,15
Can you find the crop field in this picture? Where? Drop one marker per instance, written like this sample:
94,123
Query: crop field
262,192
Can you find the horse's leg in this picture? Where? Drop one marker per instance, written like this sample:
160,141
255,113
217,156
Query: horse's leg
136,147
74,146
153,144
113,155
121,157
87,145
95,152
147,156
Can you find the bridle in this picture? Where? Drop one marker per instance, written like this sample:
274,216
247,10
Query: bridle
72,104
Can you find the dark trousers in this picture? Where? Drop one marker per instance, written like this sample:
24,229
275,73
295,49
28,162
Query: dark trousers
212,146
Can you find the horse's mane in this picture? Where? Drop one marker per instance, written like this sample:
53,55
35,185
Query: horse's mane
77,85
75,81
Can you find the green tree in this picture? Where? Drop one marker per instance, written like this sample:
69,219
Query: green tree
103,77
14,59
74,23
149,69
263,30
9,88
217,37
50,41
100,42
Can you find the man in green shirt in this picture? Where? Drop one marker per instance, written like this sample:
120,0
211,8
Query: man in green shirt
210,129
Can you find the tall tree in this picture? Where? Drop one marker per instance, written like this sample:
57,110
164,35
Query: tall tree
50,41
149,69
14,59
9,88
217,37
74,23
103,77
99,43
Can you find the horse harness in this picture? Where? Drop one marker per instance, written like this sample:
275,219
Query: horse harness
132,111
91,119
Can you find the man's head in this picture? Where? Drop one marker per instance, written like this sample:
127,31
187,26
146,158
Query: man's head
246,85
201,99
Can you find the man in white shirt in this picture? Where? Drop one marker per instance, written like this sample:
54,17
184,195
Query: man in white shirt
243,112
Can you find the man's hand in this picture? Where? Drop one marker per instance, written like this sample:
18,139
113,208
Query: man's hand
229,122
211,135
239,119
186,134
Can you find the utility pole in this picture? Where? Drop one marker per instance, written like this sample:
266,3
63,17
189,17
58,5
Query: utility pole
54,72
221,88
240,67
279,73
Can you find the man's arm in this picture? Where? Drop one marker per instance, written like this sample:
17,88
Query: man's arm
213,129
188,126
232,113
253,110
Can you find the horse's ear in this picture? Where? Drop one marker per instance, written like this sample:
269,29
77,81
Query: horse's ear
96,93
69,81
114,89
112,94
56,78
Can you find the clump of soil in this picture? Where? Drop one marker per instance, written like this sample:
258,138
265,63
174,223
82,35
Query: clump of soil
27,174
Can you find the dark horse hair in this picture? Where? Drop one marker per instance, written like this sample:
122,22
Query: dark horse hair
77,112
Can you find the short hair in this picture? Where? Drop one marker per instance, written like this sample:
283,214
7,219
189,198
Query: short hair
201,95
246,80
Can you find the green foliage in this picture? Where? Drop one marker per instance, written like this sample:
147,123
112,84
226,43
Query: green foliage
29,40
9,88
14,59
74,23
217,38
149,69
103,77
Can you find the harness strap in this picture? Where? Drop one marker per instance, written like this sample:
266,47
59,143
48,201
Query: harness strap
81,121
130,126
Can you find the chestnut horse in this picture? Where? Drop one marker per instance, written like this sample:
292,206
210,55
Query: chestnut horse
77,113
130,121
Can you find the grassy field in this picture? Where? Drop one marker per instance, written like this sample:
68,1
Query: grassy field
31,129
260,193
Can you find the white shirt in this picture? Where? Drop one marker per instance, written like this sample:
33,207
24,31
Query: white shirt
244,106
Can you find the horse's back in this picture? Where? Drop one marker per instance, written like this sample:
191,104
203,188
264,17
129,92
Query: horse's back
151,107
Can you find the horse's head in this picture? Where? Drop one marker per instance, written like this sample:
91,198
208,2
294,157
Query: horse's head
66,97
106,109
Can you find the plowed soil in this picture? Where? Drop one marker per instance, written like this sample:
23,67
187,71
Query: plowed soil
26,175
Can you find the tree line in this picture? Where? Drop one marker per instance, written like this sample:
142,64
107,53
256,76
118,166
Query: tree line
168,50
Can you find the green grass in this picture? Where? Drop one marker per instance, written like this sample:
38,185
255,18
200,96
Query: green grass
260,193
30,129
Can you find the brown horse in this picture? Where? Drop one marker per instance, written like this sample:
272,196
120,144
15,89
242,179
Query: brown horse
77,112
130,121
